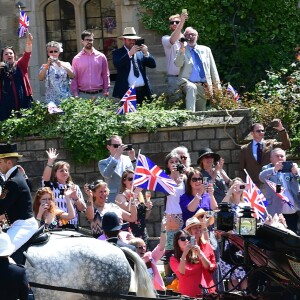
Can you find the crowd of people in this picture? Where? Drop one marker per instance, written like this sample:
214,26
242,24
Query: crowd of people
189,244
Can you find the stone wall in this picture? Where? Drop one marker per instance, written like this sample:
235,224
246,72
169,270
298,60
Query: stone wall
209,132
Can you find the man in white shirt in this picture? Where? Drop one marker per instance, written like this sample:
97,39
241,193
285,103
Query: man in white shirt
113,167
171,44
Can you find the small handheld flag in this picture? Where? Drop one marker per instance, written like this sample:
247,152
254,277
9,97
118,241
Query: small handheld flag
230,90
128,102
23,23
53,109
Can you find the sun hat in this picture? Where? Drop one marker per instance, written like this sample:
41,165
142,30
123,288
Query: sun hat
193,221
111,222
207,151
6,246
129,33
201,212
9,150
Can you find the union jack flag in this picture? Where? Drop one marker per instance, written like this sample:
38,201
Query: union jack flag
150,177
129,100
23,23
233,92
255,198
281,195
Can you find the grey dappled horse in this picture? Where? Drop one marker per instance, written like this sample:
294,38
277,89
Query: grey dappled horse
87,264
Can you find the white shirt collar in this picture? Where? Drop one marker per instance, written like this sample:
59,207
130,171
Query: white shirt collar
9,172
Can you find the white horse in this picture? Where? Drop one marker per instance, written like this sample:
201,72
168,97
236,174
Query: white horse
70,260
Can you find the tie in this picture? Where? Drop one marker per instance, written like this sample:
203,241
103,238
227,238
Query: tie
259,152
199,64
135,67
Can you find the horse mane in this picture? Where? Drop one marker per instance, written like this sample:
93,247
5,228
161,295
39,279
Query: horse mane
144,283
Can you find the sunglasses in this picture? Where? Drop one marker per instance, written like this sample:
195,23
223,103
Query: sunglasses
184,238
195,179
260,130
140,247
53,51
183,157
129,178
116,145
174,22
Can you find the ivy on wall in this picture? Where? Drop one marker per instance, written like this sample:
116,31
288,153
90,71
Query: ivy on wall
246,37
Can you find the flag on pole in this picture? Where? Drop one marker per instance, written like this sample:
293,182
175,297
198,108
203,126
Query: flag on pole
281,195
255,198
128,102
230,90
23,23
149,176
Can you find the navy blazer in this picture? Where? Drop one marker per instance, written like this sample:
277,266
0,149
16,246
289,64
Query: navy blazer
13,281
122,63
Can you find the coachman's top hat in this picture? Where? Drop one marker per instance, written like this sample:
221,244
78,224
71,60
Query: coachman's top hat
208,151
9,150
111,222
129,33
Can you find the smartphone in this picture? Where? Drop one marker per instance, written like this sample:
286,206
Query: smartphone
242,187
193,240
286,167
184,11
43,202
274,123
139,42
129,147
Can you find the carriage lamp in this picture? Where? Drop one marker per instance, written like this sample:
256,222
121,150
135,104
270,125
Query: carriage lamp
246,223
225,217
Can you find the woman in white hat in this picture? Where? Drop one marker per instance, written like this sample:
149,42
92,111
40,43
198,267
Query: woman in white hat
193,262
13,279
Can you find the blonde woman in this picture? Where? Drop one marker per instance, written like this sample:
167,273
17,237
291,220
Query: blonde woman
57,74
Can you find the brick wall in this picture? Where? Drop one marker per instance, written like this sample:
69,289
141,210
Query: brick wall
209,132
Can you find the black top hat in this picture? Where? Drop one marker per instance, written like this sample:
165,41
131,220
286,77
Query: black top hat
207,151
9,150
111,222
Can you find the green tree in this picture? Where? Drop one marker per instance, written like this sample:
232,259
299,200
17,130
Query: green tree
247,37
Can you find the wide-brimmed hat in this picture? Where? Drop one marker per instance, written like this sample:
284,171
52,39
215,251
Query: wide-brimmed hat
6,246
111,222
129,33
9,150
193,221
207,151
201,212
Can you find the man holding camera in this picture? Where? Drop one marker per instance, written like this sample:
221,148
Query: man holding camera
256,154
285,175
131,61
171,44
113,167
198,74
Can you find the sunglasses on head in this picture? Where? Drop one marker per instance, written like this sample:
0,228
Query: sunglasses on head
260,130
53,51
183,157
116,145
174,22
184,238
195,179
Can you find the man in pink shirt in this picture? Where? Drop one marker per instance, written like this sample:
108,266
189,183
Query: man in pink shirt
91,70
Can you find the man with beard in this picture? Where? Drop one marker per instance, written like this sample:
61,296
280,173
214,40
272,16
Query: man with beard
91,70
131,61
198,75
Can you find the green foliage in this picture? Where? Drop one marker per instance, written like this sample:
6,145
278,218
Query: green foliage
246,37
86,124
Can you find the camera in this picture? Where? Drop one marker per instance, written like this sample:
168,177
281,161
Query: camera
278,188
180,167
193,240
242,187
286,167
140,42
274,123
129,147
182,40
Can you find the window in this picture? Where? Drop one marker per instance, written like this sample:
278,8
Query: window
101,20
60,27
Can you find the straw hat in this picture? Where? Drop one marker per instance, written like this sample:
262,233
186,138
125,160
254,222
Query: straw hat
6,246
9,150
208,151
193,221
202,212
129,33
